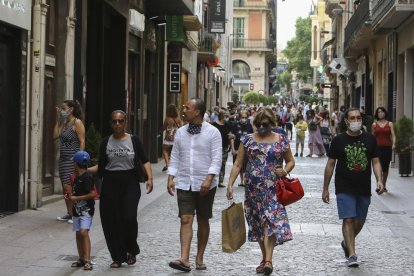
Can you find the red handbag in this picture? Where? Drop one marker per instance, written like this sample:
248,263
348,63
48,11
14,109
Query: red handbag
288,190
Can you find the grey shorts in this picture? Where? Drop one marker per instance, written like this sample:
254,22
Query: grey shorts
191,203
300,139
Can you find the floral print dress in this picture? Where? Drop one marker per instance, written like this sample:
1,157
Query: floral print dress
261,206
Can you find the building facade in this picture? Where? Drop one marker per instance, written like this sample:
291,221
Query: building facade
105,54
253,43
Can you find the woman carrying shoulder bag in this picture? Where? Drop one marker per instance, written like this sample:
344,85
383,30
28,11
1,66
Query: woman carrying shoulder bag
120,194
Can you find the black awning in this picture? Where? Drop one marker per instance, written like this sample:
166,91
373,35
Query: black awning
169,7
328,43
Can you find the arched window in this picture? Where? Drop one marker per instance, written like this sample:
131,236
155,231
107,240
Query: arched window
241,70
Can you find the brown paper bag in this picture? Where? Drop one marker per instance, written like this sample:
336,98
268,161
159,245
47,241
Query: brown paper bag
233,229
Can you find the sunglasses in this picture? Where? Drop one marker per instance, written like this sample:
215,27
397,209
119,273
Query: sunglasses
119,121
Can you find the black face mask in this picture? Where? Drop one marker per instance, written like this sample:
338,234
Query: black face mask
264,129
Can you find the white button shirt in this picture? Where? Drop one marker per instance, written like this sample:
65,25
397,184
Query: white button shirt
193,157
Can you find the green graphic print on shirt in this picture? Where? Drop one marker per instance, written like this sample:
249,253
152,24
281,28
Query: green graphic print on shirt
356,157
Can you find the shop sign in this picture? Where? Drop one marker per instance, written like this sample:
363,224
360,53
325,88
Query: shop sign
217,16
16,12
175,28
136,20
174,78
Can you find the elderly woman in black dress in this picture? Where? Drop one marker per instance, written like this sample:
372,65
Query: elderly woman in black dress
119,168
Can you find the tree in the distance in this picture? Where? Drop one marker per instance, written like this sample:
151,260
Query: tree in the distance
298,50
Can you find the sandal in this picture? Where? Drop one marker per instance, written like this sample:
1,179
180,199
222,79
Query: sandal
131,260
200,266
180,265
259,269
115,264
268,268
88,266
78,263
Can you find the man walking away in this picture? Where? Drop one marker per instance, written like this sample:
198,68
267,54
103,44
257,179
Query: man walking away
195,162
352,152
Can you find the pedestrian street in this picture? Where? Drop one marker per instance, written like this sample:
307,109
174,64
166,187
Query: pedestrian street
34,243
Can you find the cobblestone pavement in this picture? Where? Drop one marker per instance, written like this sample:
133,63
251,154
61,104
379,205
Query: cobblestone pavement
33,243
384,247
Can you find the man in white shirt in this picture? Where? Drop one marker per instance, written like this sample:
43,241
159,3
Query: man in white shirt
195,163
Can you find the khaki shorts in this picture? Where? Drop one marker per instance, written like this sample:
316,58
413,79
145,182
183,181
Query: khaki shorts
300,139
191,203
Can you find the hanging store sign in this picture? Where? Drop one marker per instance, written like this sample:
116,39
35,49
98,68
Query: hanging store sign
174,77
175,28
16,12
217,22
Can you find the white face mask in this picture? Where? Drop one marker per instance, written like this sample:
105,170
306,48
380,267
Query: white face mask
355,126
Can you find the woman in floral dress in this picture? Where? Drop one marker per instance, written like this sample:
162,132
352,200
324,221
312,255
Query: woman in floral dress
264,152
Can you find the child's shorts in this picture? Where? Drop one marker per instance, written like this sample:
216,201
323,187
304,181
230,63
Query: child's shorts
300,139
82,222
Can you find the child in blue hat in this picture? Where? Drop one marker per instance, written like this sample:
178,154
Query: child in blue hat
83,208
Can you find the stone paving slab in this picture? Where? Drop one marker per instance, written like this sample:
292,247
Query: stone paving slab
32,242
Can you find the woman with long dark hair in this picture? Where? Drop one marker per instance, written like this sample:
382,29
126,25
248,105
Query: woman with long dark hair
71,132
383,130
315,141
172,122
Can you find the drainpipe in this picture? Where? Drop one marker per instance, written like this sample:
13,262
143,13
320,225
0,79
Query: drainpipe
36,100
27,123
69,50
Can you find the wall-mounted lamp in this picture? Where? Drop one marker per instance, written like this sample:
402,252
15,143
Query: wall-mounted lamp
327,32
339,11
220,68
159,20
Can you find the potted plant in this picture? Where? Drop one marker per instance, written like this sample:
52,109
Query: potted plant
404,144
92,144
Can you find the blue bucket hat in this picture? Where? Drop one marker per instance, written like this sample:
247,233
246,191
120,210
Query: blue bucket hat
81,158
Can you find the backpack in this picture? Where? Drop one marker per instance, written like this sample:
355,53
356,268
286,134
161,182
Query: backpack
312,126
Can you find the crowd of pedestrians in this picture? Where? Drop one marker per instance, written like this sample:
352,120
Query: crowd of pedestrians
195,154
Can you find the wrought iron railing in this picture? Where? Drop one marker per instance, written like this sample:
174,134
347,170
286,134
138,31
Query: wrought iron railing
240,43
381,7
247,4
359,19
206,44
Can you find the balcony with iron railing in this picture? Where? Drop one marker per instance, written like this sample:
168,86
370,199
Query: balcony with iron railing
330,5
358,30
253,44
389,14
207,47
244,4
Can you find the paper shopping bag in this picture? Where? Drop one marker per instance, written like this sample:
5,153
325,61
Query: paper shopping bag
233,229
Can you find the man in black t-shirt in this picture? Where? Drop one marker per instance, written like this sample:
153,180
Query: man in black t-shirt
352,152
226,135
240,129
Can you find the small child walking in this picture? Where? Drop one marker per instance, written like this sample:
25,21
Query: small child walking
83,208
301,126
